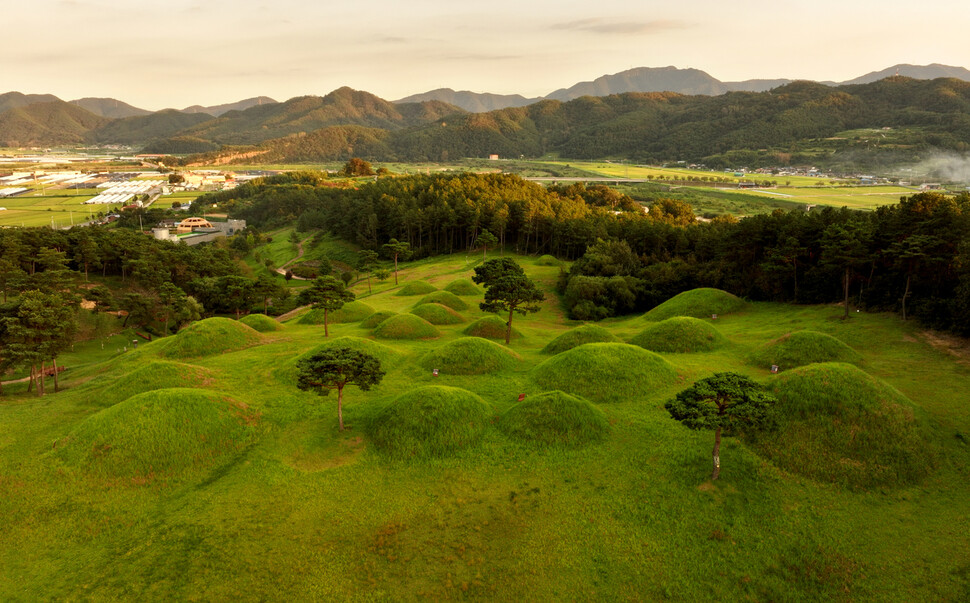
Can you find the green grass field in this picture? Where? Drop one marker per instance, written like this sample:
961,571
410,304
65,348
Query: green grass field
230,483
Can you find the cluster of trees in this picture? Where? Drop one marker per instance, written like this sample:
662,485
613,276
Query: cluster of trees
913,257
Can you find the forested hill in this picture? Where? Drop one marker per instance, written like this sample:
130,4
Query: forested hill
787,124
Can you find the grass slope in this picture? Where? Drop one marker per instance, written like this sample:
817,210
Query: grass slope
469,356
803,347
261,323
432,421
490,327
406,326
463,286
841,425
555,419
445,299
579,336
153,375
698,303
210,336
682,334
354,311
416,288
438,314
377,318
606,372
161,434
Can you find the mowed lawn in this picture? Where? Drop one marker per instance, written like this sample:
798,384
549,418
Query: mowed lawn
287,508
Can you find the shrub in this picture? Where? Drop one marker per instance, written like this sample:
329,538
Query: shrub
469,356
432,421
555,419
579,336
606,372
680,334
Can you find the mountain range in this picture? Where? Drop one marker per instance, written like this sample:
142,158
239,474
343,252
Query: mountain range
633,113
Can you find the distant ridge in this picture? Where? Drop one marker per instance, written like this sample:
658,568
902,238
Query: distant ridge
109,107
242,105
917,72
12,100
473,102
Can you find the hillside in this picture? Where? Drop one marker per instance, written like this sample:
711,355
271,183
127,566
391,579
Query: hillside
304,114
12,100
138,129
474,102
242,105
109,107
193,467
47,123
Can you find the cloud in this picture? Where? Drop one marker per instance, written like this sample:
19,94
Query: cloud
621,27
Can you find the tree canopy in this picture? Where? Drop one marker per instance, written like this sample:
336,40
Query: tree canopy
334,368
507,289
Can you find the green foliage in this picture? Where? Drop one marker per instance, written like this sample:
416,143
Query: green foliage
406,326
463,286
555,419
682,334
469,356
697,303
507,289
376,318
208,337
261,323
841,425
801,348
328,294
354,311
490,327
153,375
579,336
606,372
335,368
160,435
438,314
444,298
416,288
428,422
356,166
728,401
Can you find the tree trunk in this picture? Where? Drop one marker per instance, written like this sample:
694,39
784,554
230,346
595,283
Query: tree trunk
508,327
368,283
326,330
30,381
40,384
905,295
54,364
395,268
484,249
340,406
717,454
846,315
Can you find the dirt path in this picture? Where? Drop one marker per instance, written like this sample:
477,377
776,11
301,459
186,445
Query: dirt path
299,254
290,314
955,346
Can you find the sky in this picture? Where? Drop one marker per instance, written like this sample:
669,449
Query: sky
176,53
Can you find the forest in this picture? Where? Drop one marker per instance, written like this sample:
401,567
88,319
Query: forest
911,257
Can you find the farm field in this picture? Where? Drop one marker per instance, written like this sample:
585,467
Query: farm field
193,468
34,208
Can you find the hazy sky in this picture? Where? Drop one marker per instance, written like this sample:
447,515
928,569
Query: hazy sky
174,53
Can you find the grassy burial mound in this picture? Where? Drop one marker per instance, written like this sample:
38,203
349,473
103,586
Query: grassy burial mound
166,433
437,314
579,336
699,303
261,323
445,299
606,372
354,311
406,326
433,421
155,374
682,334
287,371
801,348
377,318
463,286
839,424
490,327
416,288
469,356
211,336
547,260
555,419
